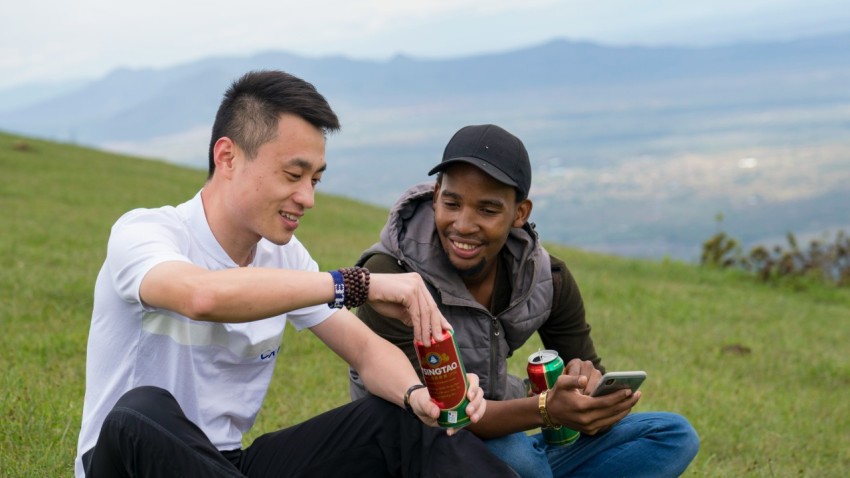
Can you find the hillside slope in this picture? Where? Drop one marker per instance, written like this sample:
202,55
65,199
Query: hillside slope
759,371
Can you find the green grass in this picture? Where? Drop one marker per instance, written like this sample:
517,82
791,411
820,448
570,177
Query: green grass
771,405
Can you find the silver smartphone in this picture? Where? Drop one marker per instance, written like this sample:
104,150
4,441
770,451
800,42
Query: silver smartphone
613,381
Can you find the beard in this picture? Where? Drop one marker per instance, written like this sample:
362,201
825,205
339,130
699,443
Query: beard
470,271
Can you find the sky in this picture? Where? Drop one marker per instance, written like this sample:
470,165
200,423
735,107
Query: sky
54,41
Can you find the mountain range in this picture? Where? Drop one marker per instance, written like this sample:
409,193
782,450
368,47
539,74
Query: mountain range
636,150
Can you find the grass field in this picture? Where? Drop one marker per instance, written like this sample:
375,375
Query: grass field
760,371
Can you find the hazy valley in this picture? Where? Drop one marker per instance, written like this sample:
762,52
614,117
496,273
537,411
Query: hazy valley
636,150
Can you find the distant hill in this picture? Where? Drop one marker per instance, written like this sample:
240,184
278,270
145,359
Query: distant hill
636,150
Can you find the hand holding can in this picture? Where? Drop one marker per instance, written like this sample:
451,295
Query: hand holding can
445,377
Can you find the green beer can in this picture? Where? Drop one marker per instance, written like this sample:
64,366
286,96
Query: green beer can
544,368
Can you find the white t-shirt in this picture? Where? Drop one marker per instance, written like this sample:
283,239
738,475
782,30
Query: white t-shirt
219,373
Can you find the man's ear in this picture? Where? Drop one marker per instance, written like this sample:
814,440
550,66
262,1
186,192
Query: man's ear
224,153
523,212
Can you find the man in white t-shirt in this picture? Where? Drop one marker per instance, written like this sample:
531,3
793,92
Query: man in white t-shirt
190,308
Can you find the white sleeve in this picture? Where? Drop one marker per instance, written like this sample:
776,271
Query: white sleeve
139,241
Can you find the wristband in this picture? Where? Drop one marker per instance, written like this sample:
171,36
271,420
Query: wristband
541,407
339,290
410,390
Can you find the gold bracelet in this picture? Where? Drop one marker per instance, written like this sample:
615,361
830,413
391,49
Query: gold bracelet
541,407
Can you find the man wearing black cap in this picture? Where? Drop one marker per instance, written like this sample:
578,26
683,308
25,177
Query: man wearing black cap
469,237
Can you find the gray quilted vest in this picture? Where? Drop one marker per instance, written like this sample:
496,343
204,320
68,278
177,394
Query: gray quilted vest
485,341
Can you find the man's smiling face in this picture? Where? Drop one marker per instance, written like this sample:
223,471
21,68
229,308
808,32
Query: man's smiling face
474,214
276,188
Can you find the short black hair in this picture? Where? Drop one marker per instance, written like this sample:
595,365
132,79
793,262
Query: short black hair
252,106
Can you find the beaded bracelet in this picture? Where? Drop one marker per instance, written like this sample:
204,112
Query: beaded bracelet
356,283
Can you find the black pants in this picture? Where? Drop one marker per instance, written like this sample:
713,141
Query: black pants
147,435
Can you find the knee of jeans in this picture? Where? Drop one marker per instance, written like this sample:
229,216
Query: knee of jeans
520,453
528,465
691,439
685,434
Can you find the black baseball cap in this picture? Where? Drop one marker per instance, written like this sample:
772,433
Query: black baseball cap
493,150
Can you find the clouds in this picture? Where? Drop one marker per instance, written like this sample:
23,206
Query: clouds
58,40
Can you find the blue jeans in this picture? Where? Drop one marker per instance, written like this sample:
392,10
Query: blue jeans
641,444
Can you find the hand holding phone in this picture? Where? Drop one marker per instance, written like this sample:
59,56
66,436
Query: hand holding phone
613,381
